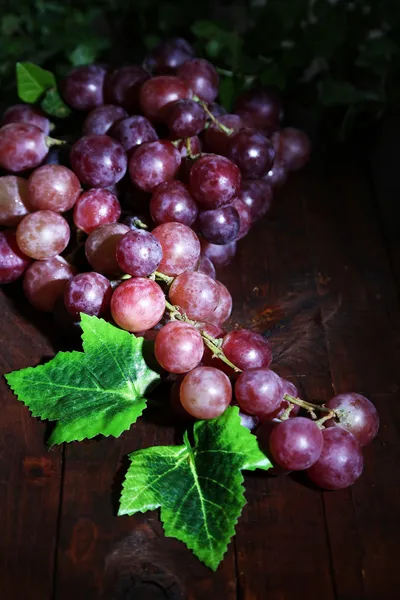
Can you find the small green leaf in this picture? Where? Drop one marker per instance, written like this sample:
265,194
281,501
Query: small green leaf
98,391
33,81
83,54
53,104
199,488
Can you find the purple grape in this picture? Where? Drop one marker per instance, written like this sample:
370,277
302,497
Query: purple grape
22,146
159,91
94,208
98,160
287,388
139,253
201,77
292,147
245,217
220,256
296,444
247,349
341,461
154,163
252,152
259,392
217,110
180,246
194,149
205,266
88,293
277,174
82,89
224,306
184,118
257,196
171,202
26,113
356,414
122,86
100,119
13,262
260,108
219,226
133,131
214,181
216,140
101,246
168,56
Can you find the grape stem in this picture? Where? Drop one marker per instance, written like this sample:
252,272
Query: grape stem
161,277
215,345
54,142
311,408
221,126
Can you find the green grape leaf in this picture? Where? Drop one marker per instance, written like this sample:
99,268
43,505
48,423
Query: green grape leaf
33,81
98,391
53,104
199,488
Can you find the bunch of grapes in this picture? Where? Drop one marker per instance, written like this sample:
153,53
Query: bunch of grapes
147,203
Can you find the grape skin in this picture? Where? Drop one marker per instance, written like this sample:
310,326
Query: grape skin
139,253
356,414
12,261
257,196
296,444
277,174
341,461
82,89
157,92
224,306
216,140
94,208
247,349
26,113
259,392
45,282
245,218
178,347
252,152
122,86
43,234
137,304
172,202
154,163
53,187
101,245
205,392
167,56
219,226
201,77
180,246
205,266
133,131
214,181
101,118
22,146
184,118
98,160
88,293
292,147
287,388
14,200
196,293
260,108
220,256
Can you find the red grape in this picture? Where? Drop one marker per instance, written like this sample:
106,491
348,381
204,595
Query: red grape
260,108
214,181
45,282
133,131
217,140
94,208
220,256
171,202
180,246
259,392
53,187
43,234
139,253
98,160
159,91
167,56
101,245
137,304
88,293
82,89
245,217
296,444
205,392
184,118
257,196
341,461
154,163
196,293
247,349
122,86
26,113
14,200
219,226
205,266
101,118
179,347
252,152
12,261
292,147
356,414
224,306
201,77
22,146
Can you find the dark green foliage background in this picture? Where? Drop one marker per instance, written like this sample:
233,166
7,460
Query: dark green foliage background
339,56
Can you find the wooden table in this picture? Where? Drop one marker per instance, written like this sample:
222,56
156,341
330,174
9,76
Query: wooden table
317,276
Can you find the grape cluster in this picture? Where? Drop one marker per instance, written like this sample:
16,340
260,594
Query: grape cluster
148,201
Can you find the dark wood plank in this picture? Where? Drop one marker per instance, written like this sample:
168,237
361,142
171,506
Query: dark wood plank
362,339
29,475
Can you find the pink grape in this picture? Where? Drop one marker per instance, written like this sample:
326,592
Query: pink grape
133,131
137,304
180,246
296,444
43,234
94,208
292,147
167,56
179,347
201,77
205,392
220,256
102,118
53,187
82,89
260,108
184,118
154,163
98,160
26,113
252,152
245,217
46,280
13,262
157,92
205,266
257,196
139,253
219,226
101,246
341,461
287,388
196,293
356,414
122,86
14,200
172,202
216,140
224,306
247,349
22,146
88,293
214,181
259,392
